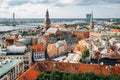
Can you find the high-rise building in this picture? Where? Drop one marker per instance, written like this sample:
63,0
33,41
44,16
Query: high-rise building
47,21
88,17
91,26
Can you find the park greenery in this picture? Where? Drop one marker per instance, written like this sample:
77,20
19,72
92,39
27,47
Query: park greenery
59,75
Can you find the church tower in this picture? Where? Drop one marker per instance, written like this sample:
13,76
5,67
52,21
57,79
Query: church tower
14,20
91,26
47,20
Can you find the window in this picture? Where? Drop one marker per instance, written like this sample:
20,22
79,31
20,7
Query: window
25,57
5,78
26,62
26,67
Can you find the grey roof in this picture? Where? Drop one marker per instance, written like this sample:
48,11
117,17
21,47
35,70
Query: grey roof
14,32
35,37
83,30
100,46
16,49
64,29
25,41
1,37
53,40
115,39
52,30
3,52
71,40
7,65
60,43
104,51
117,45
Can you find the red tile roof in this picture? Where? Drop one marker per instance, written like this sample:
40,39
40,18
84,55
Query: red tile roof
30,74
47,37
38,48
115,30
78,67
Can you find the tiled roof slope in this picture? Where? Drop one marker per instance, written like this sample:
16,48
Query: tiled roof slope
70,67
115,30
30,74
38,48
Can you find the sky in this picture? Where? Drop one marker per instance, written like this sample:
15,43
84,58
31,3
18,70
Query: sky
60,8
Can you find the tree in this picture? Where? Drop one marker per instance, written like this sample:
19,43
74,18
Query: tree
89,76
65,76
71,77
74,76
44,76
113,77
56,75
103,77
85,53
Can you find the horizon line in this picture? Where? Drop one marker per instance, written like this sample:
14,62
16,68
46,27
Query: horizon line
63,18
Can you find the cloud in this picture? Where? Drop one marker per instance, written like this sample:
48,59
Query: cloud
60,2
111,5
86,2
17,2
27,8
4,3
21,2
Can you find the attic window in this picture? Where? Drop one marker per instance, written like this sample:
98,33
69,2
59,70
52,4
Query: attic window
24,78
36,68
109,68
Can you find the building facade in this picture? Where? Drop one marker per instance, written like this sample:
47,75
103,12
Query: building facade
88,17
11,68
38,52
26,58
91,24
57,49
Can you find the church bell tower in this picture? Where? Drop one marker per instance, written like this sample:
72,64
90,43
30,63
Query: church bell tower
47,20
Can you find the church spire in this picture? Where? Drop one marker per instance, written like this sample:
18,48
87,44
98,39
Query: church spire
14,20
91,19
47,14
47,20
